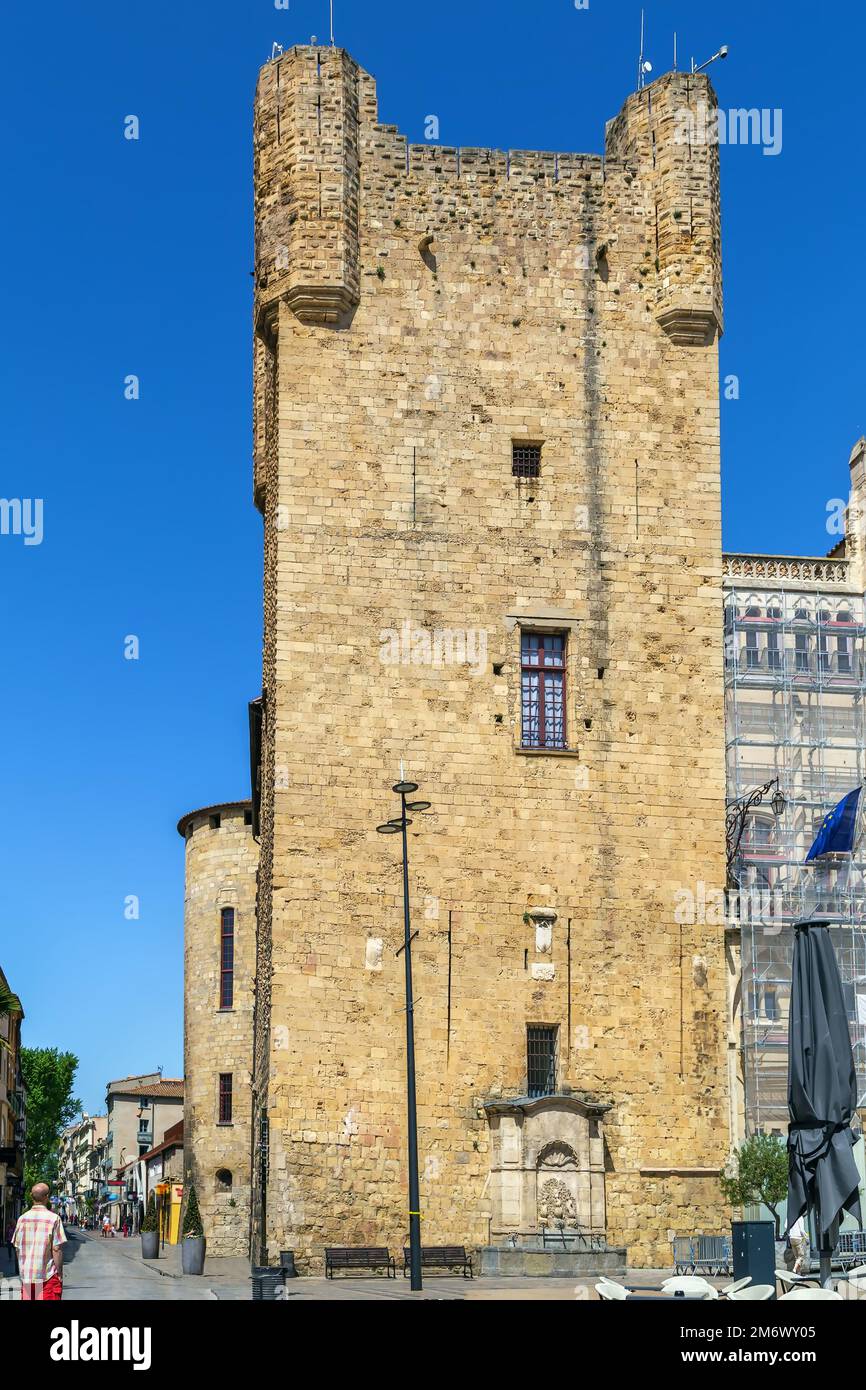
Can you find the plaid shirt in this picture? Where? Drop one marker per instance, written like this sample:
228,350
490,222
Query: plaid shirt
36,1234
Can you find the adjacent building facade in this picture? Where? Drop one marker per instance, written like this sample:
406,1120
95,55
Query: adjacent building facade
80,1171
13,1125
487,458
139,1111
795,684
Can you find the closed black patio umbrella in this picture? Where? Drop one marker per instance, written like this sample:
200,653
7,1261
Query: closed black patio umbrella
822,1092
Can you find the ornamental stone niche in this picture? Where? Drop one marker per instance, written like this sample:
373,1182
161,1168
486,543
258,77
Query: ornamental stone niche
546,1165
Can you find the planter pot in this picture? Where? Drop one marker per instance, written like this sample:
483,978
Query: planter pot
150,1245
192,1251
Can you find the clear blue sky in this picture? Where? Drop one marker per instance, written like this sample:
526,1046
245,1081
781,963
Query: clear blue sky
134,257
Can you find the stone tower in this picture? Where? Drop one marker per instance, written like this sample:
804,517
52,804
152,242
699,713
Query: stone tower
219,968
487,436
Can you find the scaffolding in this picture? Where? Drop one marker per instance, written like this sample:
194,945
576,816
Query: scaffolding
795,709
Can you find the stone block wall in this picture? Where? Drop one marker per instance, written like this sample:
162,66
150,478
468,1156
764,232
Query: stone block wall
501,298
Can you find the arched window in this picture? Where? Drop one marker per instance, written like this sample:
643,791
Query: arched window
224,1180
753,656
775,641
824,617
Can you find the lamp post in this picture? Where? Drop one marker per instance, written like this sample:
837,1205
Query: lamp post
398,826
737,814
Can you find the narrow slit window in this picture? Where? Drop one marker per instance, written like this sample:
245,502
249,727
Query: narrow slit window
227,957
526,460
542,674
225,1098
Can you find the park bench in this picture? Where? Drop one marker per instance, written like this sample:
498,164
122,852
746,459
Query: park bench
359,1257
441,1257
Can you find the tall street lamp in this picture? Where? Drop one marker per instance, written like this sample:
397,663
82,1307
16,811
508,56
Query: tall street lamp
398,826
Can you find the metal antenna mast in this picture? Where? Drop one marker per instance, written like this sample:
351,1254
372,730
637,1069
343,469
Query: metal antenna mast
332,23
640,59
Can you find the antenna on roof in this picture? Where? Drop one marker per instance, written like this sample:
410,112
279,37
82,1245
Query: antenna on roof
642,67
675,50
332,23
276,50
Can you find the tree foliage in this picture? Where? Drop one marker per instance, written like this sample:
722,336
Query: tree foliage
9,1002
192,1217
761,1175
49,1077
150,1223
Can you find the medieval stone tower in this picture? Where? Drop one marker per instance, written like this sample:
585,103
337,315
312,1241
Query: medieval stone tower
487,457
219,969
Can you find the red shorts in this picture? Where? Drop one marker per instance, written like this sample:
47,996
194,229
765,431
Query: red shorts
49,1292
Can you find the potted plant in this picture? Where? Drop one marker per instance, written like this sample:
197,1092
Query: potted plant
150,1232
193,1241
758,1174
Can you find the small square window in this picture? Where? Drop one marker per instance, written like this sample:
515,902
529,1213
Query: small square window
215,822
248,817
526,460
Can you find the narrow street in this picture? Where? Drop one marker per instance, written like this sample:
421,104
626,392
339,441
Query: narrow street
100,1269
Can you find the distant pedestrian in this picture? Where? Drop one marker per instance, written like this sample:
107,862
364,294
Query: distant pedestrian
799,1236
39,1240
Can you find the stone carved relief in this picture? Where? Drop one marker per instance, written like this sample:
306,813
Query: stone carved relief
547,1164
557,1155
555,1203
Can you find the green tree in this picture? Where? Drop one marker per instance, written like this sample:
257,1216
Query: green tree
192,1217
49,1077
761,1175
150,1223
9,1002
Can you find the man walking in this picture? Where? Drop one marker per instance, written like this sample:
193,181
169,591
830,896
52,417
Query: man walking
39,1239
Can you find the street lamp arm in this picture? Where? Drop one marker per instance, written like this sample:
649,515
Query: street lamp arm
736,815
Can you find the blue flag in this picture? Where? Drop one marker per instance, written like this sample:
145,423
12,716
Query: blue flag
836,835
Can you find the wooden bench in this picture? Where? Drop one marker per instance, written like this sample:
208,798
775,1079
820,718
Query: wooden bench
359,1257
441,1257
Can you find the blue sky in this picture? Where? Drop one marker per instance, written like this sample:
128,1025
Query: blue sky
124,257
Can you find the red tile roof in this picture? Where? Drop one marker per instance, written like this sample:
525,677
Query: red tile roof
166,1090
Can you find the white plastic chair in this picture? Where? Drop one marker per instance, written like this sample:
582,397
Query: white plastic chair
690,1284
795,1281
851,1288
811,1295
753,1293
735,1287
611,1293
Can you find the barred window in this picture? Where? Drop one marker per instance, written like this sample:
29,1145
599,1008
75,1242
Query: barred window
541,1060
225,1098
542,673
526,460
227,957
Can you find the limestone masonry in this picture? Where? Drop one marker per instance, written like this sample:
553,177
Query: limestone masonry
487,457
219,969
